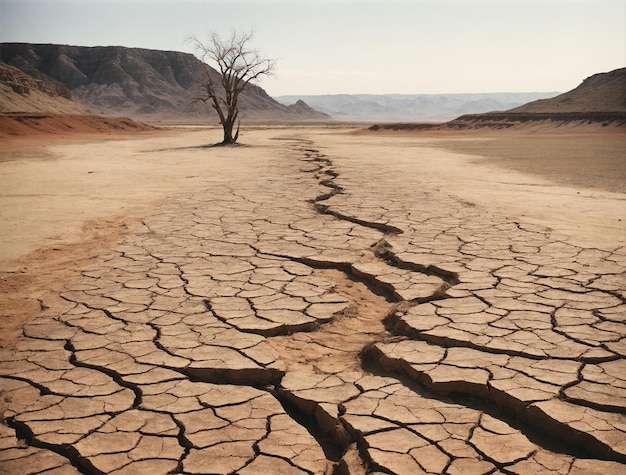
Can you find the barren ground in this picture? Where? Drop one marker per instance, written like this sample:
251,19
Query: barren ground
313,301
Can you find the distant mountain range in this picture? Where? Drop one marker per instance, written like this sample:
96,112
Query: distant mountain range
159,85
600,100
114,80
411,107
596,96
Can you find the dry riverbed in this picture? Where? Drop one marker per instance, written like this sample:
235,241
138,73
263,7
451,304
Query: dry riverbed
315,301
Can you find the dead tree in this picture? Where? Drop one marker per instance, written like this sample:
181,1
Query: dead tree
238,65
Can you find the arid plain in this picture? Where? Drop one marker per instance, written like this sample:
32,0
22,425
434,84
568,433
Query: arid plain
320,299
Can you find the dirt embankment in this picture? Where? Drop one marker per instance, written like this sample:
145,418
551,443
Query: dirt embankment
23,124
506,120
548,122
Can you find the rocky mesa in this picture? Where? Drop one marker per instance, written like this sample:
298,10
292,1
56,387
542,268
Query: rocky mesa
139,83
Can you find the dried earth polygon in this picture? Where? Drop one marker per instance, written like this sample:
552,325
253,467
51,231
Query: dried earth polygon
310,313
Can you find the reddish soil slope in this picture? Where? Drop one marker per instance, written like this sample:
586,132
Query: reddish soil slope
33,124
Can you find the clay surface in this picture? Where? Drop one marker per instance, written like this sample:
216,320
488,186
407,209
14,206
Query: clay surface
315,301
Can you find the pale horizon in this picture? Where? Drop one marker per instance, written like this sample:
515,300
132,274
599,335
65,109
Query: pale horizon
360,46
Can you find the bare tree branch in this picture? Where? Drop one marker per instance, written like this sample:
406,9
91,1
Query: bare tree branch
238,65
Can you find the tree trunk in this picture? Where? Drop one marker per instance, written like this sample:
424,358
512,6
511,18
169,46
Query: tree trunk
228,133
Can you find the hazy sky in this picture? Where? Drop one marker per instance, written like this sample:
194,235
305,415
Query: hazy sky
360,46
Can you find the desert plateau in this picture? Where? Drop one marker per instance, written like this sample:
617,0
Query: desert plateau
320,297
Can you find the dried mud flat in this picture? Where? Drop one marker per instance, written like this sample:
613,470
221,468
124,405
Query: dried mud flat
317,302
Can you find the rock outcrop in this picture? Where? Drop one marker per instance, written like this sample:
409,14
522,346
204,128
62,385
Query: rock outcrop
20,92
603,92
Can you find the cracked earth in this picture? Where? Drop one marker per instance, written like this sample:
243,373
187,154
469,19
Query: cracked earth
325,318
